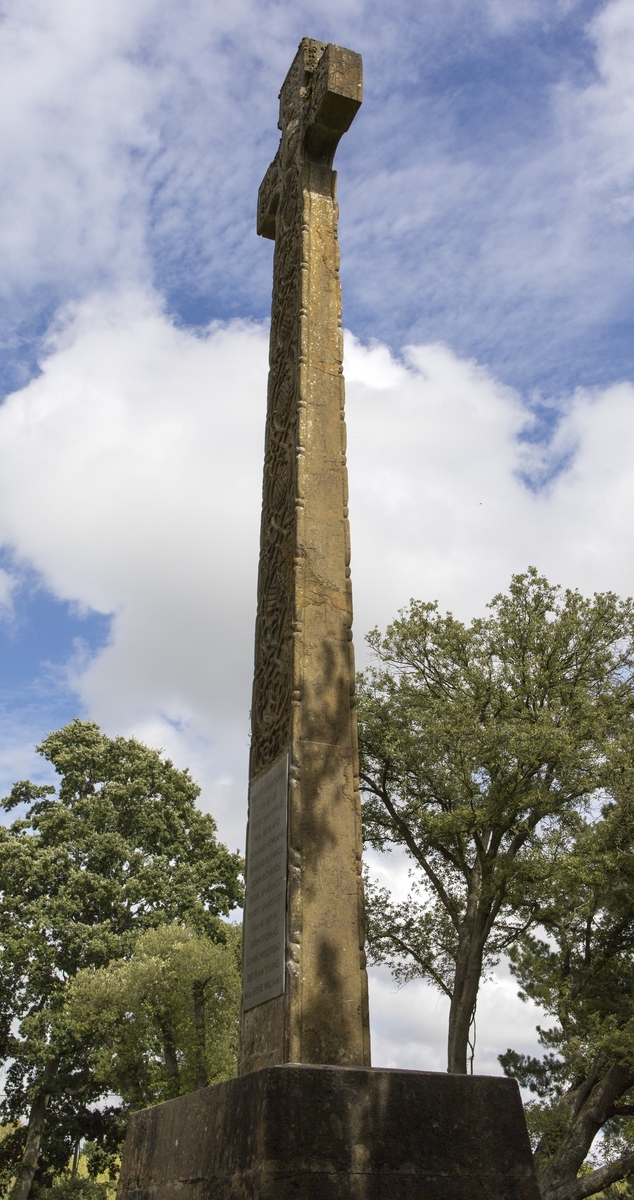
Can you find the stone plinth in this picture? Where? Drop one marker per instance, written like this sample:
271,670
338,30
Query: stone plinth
333,1133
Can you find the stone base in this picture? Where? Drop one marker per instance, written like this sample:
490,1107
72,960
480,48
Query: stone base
333,1133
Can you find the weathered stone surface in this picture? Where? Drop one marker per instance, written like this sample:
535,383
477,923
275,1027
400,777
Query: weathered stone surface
303,693
327,1133
285,1128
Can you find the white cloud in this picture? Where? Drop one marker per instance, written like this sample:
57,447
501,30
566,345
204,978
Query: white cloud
435,501
506,15
73,113
134,138
127,132
598,119
438,504
130,476
131,480
588,162
503,222
8,584
409,1024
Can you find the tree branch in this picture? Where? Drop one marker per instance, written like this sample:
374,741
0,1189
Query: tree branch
410,842
589,1185
425,966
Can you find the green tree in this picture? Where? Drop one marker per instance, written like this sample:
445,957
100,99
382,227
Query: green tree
475,742
119,849
165,1020
580,969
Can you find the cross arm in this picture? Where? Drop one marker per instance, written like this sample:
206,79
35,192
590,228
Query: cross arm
318,102
268,200
335,98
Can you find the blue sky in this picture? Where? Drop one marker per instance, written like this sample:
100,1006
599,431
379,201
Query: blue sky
480,202
486,232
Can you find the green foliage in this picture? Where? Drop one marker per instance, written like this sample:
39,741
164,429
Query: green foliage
79,1188
164,1021
580,969
120,849
477,744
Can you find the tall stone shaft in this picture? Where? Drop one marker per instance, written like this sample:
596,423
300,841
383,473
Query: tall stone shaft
305,983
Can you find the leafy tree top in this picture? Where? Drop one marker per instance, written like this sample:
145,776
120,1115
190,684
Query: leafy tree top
120,847
582,974
476,733
477,743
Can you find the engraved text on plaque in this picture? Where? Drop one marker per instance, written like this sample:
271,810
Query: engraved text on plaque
265,911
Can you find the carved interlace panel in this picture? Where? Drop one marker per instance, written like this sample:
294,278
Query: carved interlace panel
272,686
317,104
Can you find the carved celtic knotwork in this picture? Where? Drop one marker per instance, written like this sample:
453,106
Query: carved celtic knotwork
318,100
304,982
272,685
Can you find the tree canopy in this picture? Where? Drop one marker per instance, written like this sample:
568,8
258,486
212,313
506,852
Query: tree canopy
118,849
579,966
165,1020
476,742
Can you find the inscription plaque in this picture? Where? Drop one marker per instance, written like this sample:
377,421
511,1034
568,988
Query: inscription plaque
264,929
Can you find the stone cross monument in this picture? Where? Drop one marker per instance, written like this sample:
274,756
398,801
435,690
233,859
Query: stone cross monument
307,1116
305,985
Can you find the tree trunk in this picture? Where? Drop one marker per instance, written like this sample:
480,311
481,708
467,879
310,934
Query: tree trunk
464,998
170,1058
568,1107
127,1084
34,1131
199,1025
596,1181
558,1180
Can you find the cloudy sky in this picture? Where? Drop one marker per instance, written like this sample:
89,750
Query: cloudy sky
487,222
